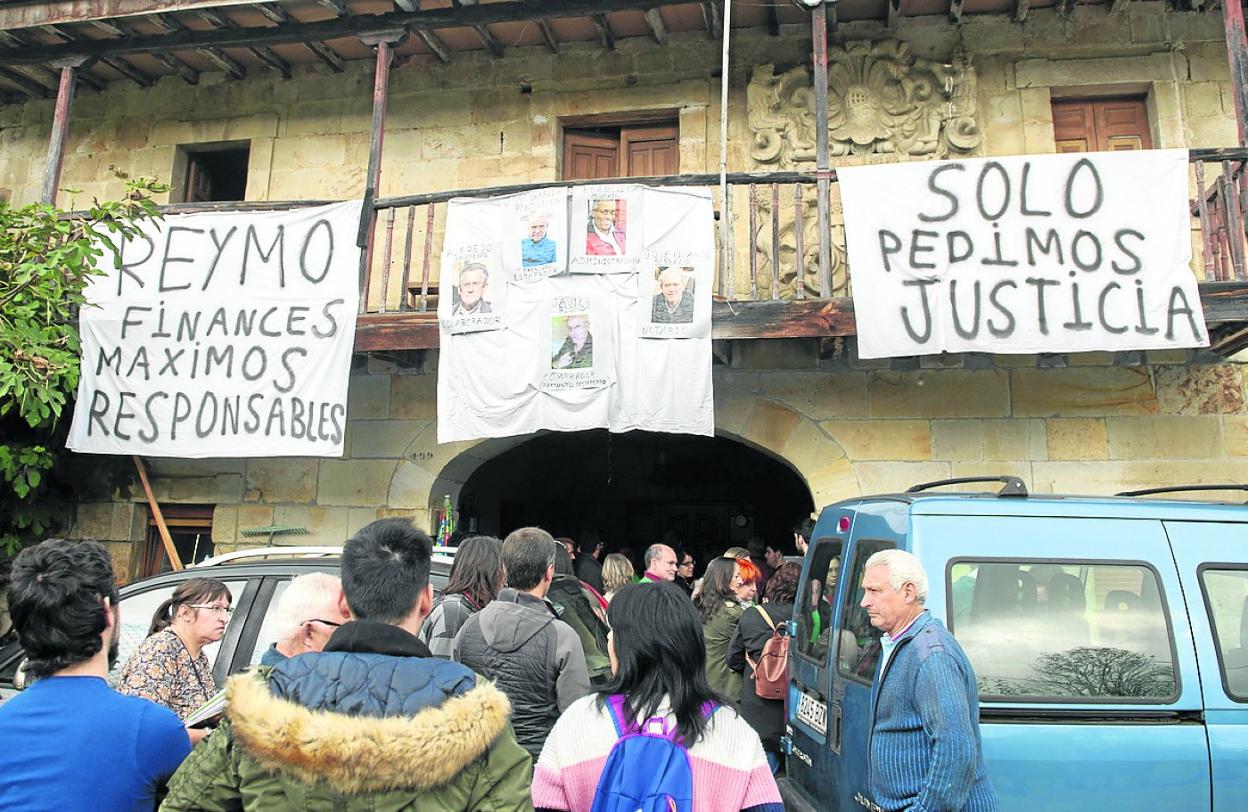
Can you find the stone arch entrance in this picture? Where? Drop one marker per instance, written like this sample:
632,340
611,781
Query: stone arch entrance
633,489
763,447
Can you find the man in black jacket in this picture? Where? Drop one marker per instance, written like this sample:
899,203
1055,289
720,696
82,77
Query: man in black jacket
517,642
588,569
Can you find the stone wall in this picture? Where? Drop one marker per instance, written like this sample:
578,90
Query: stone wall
846,428
480,121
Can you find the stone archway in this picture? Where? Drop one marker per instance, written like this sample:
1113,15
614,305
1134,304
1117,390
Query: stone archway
777,429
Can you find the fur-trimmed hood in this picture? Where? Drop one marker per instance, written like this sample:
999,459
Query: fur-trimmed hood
358,755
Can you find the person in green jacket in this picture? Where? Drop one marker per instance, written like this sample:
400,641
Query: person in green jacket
373,722
721,609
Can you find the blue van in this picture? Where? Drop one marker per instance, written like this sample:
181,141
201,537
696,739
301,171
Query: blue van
1109,638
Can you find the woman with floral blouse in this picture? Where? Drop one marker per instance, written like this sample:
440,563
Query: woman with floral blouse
170,667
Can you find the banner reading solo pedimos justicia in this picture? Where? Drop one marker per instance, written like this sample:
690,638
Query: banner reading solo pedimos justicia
222,335
1035,253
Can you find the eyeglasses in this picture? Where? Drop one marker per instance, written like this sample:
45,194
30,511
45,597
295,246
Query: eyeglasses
221,610
688,563
326,622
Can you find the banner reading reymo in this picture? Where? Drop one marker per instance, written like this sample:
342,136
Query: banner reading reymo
222,335
1026,254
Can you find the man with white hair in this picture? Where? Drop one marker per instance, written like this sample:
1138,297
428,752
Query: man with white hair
673,304
924,749
307,613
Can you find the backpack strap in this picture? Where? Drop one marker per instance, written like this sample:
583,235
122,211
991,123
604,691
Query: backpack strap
766,616
619,714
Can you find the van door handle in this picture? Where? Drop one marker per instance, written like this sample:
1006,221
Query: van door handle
834,711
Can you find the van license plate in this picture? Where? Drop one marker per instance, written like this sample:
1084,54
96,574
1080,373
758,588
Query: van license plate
812,712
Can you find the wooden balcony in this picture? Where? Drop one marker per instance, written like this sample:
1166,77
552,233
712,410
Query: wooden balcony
761,288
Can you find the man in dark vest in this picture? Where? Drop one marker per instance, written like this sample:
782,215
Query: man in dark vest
518,643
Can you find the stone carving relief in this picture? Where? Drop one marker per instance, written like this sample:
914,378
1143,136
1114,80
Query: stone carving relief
884,103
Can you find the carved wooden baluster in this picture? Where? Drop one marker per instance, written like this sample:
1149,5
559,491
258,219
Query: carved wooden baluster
386,259
797,231
424,270
1233,224
775,241
753,243
1207,238
404,300
1240,185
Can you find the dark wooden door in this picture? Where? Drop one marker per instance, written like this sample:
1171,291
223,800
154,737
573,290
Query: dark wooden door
1087,125
650,151
627,152
586,157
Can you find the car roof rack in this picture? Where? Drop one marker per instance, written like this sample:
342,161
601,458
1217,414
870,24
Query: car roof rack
444,554
1182,489
1013,485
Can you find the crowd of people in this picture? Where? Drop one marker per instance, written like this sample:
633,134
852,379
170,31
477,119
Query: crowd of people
515,688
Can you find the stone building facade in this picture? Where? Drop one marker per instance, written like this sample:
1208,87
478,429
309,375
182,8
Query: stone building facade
984,87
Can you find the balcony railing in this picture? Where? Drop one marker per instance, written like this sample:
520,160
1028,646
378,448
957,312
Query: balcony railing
771,234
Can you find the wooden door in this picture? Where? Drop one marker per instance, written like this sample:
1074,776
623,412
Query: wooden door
1086,125
586,157
650,151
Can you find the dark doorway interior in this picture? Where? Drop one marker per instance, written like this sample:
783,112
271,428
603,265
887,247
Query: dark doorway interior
634,489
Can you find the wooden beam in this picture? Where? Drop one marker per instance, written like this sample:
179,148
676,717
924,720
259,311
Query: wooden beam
410,6
894,14
225,62
25,84
657,27
773,18
327,55
490,42
158,517
955,11
433,43
712,19
273,13
1021,7
188,74
109,28
1225,303
262,52
355,25
60,131
604,31
548,34
339,7
1237,57
129,71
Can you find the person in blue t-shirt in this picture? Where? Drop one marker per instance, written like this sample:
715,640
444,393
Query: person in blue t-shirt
71,741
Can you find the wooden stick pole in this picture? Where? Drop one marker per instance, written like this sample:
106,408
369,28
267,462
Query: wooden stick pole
161,527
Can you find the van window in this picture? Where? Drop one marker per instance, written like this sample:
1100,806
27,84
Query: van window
1057,630
814,617
1226,598
859,641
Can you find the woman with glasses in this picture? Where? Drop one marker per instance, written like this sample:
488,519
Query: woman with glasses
170,667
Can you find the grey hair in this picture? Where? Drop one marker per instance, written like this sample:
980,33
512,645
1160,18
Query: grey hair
651,553
903,568
305,598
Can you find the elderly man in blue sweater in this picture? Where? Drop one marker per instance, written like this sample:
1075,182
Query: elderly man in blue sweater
924,745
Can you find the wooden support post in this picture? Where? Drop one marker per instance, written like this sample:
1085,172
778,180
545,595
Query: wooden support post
60,128
823,171
368,217
165,539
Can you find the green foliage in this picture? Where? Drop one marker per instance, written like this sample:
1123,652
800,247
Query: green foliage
47,258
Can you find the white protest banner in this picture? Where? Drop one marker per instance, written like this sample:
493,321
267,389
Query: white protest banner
578,346
1038,253
222,335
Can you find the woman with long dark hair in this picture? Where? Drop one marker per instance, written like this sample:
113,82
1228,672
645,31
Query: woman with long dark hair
755,628
170,667
476,577
656,651
720,606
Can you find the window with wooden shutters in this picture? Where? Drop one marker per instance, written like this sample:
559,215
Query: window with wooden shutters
621,151
1091,125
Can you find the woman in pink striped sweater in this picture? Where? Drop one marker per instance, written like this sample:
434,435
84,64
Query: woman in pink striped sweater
657,655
